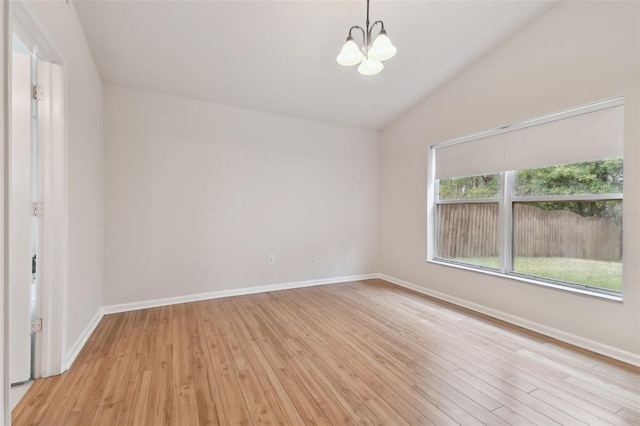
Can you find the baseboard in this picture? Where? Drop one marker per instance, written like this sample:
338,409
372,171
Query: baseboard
134,306
72,353
591,345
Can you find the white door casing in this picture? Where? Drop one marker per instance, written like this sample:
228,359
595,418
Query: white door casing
52,235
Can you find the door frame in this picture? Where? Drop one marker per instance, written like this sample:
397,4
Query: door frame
50,343
5,52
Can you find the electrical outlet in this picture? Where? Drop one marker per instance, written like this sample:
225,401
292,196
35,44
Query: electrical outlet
271,259
312,256
396,255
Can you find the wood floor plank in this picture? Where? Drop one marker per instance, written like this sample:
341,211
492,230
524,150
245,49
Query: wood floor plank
626,398
339,403
353,353
253,395
134,409
625,391
234,410
206,389
84,408
184,401
160,405
185,410
511,417
371,385
112,398
569,398
573,410
146,325
207,393
265,341
514,404
279,400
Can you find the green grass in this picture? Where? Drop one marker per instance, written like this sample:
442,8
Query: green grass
594,273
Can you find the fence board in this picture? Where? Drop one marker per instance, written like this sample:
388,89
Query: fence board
471,230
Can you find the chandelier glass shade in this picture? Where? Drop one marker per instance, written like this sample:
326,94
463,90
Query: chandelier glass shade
350,53
369,55
370,66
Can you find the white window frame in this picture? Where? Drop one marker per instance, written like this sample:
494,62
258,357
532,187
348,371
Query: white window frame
505,202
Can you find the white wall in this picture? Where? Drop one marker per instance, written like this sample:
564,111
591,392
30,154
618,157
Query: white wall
84,165
198,195
576,53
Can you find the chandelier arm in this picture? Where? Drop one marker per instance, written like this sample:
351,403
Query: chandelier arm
364,38
373,25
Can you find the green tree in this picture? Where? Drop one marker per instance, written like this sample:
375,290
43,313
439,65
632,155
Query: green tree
470,187
592,177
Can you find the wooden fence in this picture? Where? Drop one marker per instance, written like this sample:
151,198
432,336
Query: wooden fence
471,230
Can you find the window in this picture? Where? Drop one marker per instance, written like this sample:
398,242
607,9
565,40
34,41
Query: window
467,216
539,200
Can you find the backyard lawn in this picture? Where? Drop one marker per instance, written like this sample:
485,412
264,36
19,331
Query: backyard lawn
594,273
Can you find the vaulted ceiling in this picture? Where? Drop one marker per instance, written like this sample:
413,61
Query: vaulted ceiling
279,56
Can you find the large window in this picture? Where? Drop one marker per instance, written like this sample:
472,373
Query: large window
540,200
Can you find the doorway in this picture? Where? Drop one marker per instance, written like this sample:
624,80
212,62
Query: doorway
23,224
36,207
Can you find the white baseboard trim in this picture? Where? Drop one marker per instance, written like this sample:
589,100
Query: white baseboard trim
591,345
134,306
72,353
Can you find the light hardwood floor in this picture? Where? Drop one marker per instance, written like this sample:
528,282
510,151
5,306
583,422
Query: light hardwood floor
363,352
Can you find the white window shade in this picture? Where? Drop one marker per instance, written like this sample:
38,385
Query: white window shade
584,134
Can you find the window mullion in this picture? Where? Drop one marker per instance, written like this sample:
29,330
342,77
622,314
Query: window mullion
436,219
505,223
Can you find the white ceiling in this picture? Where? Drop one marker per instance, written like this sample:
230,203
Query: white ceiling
279,56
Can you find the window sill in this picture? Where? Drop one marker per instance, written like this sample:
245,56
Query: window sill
584,292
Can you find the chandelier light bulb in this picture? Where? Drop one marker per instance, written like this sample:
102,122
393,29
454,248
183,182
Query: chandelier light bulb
370,67
382,48
350,53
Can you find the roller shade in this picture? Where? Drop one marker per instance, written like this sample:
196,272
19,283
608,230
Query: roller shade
570,137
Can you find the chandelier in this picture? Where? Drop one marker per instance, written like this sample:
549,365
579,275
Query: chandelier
369,56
